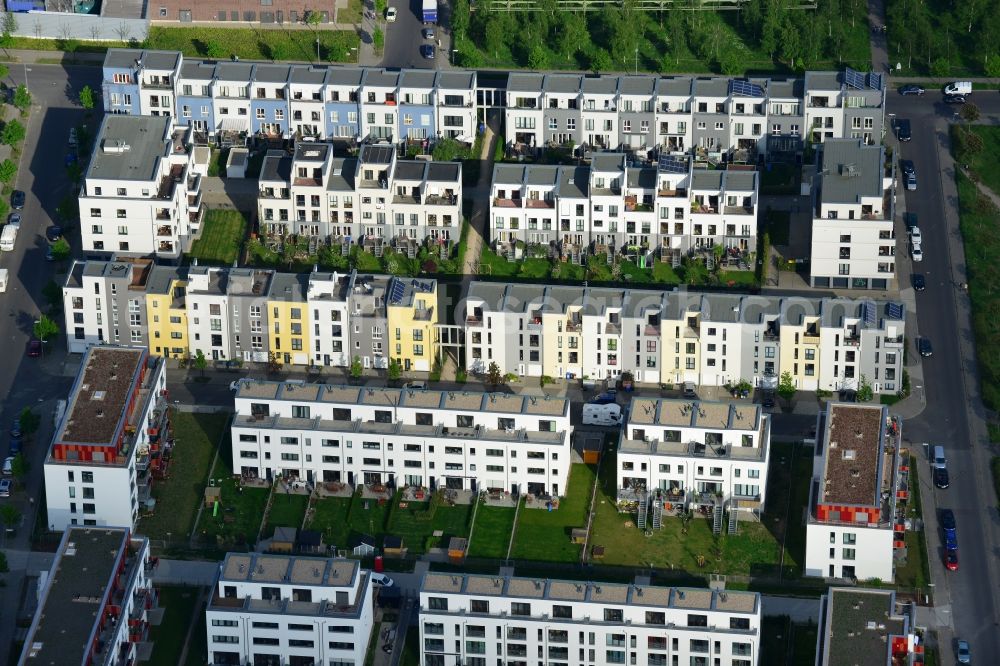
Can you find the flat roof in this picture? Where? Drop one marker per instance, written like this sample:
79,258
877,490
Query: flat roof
129,147
851,170
695,414
291,569
852,450
859,626
106,381
66,619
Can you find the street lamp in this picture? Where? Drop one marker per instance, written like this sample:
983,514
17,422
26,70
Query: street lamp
454,54
317,51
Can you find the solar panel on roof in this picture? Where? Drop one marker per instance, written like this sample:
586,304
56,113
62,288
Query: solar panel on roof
894,311
875,81
670,164
398,289
745,88
854,79
868,313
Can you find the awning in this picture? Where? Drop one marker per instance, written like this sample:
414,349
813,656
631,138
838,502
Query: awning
234,125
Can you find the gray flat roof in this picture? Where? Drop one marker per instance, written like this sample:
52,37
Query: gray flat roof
859,627
851,170
143,140
277,166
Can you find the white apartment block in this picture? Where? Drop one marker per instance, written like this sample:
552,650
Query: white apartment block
141,193
402,437
284,610
853,238
105,302
480,620
611,206
98,468
372,199
93,607
854,524
696,453
671,337
868,626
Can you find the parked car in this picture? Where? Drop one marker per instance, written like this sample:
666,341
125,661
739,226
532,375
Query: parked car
234,385
72,137
15,427
910,220
381,580
419,386
962,653
911,181
53,233
949,529
911,89
903,132
916,252
954,99
689,391
70,159
17,200
916,235
924,347
907,166
5,487
941,477
958,88
14,218
49,255
8,466
951,559
390,14
428,33
34,348
607,398
427,51
919,281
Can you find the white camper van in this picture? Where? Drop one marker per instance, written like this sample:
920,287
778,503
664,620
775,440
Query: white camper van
958,88
602,415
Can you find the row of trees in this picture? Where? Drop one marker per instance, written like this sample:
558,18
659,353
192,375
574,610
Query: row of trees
944,39
762,35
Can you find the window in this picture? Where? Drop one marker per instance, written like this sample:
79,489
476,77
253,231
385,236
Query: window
520,608
437,603
612,615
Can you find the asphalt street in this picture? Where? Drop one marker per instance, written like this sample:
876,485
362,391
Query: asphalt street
403,38
954,415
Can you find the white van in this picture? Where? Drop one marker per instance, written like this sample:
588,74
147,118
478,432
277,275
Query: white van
937,457
3,280
958,88
602,415
8,236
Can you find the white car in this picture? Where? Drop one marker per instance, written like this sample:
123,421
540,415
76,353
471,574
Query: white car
234,386
917,253
381,580
915,236
8,466
4,487
390,14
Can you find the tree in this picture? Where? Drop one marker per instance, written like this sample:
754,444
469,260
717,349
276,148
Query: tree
600,61
19,467
446,150
969,113
8,169
61,250
214,50
538,56
87,98
865,391
459,17
13,133
200,362
22,98
45,328
8,29
313,17
29,421
493,375
53,294
378,39
395,369
10,516
356,369
4,71
573,34
786,385
992,66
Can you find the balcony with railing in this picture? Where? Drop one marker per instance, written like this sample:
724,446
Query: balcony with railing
164,230
506,203
893,343
170,180
680,192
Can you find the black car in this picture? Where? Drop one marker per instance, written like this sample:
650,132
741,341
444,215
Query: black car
427,51
919,282
903,132
924,347
947,521
954,99
910,220
911,89
17,200
53,233
941,477
908,168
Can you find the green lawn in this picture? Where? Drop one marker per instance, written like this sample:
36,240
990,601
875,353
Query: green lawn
417,523
676,545
254,44
179,604
545,535
330,518
491,534
221,237
915,574
241,508
801,477
287,510
982,163
179,495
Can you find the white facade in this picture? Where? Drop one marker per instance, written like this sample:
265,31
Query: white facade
867,551
141,194
97,469
397,437
686,452
289,610
477,620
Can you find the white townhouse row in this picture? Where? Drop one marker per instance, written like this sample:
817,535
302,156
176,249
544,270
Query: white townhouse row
614,205
281,609
141,192
227,101
695,453
99,467
853,233
719,118
371,199
480,620
856,520
672,337
403,437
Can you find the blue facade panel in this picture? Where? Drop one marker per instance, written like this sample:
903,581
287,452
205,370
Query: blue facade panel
338,119
199,108
121,97
421,117
268,108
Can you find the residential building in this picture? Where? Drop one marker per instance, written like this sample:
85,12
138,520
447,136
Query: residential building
140,82
844,105
859,478
281,609
668,210
477,619
853,237
141,193
252,314
402,437
94,605
268,17
867,627
671,337
98,469
682,453
373,200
